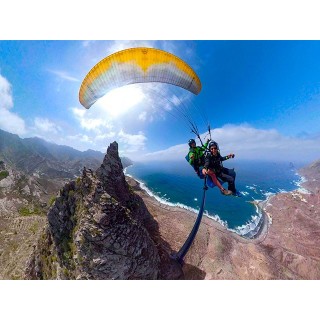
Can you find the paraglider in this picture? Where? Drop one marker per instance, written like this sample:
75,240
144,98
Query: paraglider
136,65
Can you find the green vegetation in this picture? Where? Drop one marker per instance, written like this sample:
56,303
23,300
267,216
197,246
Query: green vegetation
48,259
49,266
71,194
68,250
28,211
14,246
52,200
131,190
3,174
34,228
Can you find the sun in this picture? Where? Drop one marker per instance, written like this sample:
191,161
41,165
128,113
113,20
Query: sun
121,100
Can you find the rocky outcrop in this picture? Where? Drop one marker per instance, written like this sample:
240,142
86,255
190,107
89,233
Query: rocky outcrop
98,228
312,175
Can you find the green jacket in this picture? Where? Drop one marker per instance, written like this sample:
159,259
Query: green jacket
196,156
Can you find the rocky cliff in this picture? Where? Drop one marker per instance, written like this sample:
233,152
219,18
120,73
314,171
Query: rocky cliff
98,228
311,174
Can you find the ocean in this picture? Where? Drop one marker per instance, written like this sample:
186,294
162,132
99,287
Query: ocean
176,184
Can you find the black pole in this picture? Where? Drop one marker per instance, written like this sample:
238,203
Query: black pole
184,249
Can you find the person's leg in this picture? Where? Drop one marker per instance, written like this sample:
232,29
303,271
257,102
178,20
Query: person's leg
214,179
230,172
217,183
229,178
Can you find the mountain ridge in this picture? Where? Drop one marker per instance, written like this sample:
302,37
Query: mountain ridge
37,156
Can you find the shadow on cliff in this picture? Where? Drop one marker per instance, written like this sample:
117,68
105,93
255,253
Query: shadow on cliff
169,268
192,272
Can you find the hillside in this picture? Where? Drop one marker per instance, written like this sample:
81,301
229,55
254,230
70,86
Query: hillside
35,156
32,171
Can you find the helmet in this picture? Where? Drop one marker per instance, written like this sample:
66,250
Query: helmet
213,144
190,142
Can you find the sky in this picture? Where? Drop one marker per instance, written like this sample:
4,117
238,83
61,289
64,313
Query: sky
261,98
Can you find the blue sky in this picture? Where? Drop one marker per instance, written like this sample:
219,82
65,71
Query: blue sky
262,98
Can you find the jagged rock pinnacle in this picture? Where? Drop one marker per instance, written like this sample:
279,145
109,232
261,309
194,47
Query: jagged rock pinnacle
111,174
98,229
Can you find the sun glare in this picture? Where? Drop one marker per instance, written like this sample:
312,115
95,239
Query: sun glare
121,100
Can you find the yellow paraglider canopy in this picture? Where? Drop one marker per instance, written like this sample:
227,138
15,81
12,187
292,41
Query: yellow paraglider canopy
136,65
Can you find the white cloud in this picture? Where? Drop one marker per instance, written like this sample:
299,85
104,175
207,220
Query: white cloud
79,113
251,143
106,136
79,138
129,144
122,45
9,121
46,125
6,100
143,116
132,143
64,75
100,132
92,120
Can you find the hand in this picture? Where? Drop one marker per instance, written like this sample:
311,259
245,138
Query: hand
204,171
231,155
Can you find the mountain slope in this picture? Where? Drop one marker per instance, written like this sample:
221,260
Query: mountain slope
35,156
98,228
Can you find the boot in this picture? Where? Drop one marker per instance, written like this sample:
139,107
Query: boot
226,192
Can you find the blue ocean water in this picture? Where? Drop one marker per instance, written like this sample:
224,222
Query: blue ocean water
175,183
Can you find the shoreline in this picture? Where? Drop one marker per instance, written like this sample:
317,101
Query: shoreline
253,228
149,198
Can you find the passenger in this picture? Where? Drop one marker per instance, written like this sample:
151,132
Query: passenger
213,166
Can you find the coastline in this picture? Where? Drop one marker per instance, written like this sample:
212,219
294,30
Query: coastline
252,224
191,214
286,246
256,235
